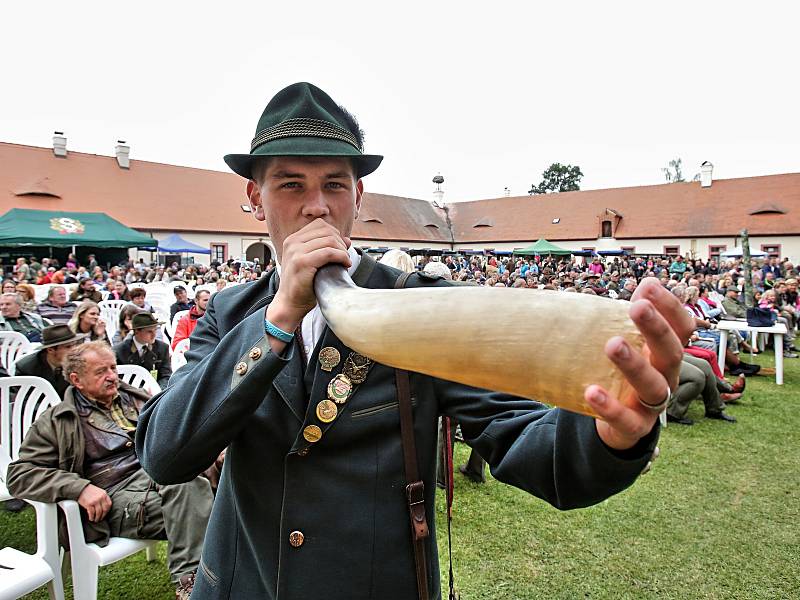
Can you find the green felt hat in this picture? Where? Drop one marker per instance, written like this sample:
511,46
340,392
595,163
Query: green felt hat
302,120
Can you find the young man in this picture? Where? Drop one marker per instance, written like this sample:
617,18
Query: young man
98,419
145,350
188,322
314,481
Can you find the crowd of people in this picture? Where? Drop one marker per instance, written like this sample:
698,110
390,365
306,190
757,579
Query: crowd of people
64,321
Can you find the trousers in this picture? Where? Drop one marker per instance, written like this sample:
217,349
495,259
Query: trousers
696,379
142,509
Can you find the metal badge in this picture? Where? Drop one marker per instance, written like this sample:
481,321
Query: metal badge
356,367
327,411
312,433
339,389
329,357
241,368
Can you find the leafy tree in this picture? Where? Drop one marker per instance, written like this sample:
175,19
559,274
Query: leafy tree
558,178
674,172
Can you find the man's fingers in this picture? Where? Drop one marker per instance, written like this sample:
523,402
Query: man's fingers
619,426
649,383
665,303
666,350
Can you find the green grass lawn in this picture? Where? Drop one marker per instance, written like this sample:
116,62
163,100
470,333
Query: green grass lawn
717,517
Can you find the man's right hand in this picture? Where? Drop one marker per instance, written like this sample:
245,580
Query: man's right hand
96,502
304,252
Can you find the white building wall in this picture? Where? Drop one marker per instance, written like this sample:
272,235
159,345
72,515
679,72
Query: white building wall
696,247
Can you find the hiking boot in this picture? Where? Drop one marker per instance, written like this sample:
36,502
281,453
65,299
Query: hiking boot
185,587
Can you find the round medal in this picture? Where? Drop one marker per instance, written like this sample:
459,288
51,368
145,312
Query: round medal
356,367
312,433
339,389
329,357
327,411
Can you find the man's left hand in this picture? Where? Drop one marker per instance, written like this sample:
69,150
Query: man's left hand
652,373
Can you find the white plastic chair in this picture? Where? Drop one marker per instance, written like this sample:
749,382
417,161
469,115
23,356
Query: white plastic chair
86,559
23,573
174,324
32,397
109,311
13,346
136,285
138,376
178,358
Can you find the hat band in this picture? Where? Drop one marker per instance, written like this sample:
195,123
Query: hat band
304,128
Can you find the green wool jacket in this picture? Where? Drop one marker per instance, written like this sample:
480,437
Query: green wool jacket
345,493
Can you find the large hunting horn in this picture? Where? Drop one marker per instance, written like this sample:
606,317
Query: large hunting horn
537,344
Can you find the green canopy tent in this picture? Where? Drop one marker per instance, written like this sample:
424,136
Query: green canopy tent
50,232
59,229
543,248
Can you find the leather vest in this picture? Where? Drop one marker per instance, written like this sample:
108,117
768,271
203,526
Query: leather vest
110,456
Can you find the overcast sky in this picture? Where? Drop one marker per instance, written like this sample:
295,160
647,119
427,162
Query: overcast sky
488,94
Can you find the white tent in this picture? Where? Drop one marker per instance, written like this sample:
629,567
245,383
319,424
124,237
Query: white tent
737,253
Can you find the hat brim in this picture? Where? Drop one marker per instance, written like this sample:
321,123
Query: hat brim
156,324
242,164
76,338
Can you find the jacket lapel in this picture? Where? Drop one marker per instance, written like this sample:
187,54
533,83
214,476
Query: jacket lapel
317,380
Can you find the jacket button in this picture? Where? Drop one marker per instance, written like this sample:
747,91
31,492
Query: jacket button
255,353
296,539
241,368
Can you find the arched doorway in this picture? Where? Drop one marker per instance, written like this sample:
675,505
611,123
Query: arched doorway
260,251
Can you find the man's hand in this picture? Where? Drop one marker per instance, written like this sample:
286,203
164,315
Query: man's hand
666,327
304,252
96,502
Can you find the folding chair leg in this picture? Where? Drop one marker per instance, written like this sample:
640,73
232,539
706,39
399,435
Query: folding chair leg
150,553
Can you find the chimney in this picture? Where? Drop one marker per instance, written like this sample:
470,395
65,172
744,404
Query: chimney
705,174
123,152
59,144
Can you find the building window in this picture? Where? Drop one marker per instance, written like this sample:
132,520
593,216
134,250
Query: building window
629,249
605,227
715,251
219,253
772,250
672,250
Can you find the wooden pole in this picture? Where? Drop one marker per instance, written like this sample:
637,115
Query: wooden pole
749,298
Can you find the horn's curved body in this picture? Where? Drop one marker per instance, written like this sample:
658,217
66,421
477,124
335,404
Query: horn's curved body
543,345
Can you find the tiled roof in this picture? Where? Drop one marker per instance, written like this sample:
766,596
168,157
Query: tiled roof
657,211
152,196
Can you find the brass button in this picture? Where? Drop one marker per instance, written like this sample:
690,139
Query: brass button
255,353
312,433
296,539
241,368
302,452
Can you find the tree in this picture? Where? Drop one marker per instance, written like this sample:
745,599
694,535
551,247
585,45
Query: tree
558,178
674,172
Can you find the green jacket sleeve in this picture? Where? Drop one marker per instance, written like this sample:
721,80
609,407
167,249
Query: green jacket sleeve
40,473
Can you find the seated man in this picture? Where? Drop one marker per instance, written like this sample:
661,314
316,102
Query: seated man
144,349
182,301
86,291
57,308
13,318
57,341
188,322
99,414
698,379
